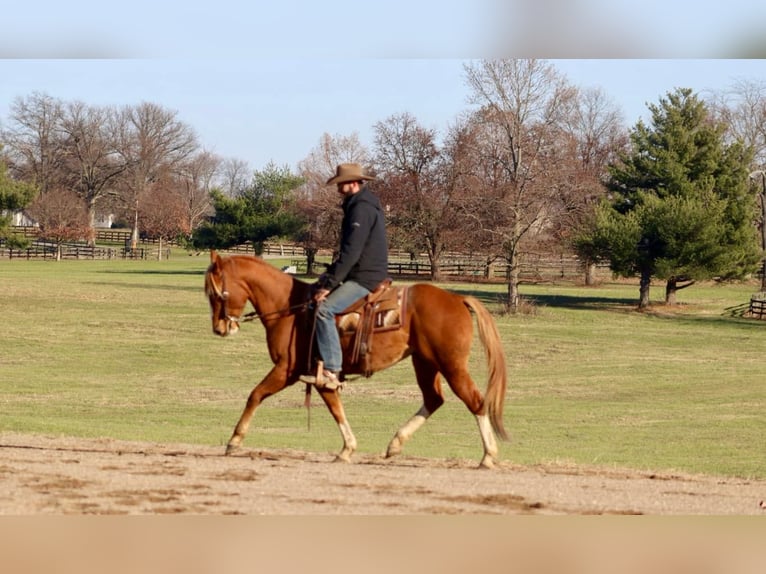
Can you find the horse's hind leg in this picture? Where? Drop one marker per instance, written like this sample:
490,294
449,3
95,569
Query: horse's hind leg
464,387
488,441
430,386
274,382
334,404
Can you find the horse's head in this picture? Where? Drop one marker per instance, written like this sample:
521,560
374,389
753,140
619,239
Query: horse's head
227,295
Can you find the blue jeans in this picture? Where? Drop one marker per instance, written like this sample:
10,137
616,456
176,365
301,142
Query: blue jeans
328,340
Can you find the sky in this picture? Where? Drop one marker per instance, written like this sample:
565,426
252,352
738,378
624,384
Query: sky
276,110
262,82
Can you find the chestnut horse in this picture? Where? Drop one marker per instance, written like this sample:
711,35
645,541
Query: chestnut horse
436,331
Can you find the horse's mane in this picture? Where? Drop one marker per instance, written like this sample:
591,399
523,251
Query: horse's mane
266,268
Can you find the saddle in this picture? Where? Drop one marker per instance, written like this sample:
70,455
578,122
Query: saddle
381,310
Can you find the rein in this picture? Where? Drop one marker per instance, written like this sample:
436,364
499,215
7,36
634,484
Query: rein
253,315
223,295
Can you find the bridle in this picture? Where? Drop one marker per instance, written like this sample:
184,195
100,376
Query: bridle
223,295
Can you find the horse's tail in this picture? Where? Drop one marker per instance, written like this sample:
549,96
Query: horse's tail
494,398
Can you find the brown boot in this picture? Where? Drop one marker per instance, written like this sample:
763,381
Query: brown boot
327,380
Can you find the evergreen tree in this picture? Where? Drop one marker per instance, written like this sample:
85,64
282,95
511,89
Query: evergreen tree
14,195
262,211
680,206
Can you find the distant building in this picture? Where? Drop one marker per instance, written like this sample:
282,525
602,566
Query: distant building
21,218
104,221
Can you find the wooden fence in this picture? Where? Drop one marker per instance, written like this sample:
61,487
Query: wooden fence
758,306
535,268
44,250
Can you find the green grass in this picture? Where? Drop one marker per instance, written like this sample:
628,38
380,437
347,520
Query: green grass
124,349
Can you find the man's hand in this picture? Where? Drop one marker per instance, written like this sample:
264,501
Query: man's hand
320,295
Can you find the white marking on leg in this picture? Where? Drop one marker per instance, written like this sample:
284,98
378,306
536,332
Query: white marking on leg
407,430
487,440
349,441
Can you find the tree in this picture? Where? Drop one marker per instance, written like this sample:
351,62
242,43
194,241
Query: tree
517,128
164,215
681,208
34,140
62,216
317,204
416,187
595,134
93,163
153,141
264,211
233,176
14,195
195,177
742,109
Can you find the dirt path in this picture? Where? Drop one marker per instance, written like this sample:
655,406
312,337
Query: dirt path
41,475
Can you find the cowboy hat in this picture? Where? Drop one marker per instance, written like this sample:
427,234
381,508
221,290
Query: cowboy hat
347,172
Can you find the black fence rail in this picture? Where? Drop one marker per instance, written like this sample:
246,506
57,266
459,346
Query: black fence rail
757,307
81,252
534,268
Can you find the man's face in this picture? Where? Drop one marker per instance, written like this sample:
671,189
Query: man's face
348,187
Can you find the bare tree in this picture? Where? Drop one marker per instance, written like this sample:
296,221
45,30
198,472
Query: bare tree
153,140
594,134
93,163
318,204
521,104
34,141
195,178
165,215
233,176
62,216
742,108
416,187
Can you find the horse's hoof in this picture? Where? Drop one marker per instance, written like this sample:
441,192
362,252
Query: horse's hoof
231,448
394,448
487,463
342,458
391,452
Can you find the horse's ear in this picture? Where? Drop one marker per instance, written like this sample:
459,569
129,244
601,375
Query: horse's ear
214,256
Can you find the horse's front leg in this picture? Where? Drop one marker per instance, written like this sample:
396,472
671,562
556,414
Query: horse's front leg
334,404
274,382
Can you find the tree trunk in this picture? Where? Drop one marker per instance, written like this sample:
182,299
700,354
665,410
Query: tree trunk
91,239
643,297
513,295
671,288
513,287
590,273
134,233
310,260
489,268
436,270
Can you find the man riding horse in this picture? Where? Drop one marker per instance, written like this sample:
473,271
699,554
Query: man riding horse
361,265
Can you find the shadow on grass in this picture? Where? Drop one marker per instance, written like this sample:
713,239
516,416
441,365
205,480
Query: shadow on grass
582,302
657,311
554,300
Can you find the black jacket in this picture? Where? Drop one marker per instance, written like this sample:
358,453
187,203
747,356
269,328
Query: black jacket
363,255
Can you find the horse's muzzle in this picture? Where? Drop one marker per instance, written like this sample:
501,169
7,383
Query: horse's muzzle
225,327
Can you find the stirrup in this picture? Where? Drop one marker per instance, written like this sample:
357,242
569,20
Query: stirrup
323,379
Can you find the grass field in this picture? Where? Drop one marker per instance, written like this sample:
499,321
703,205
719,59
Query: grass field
124,349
